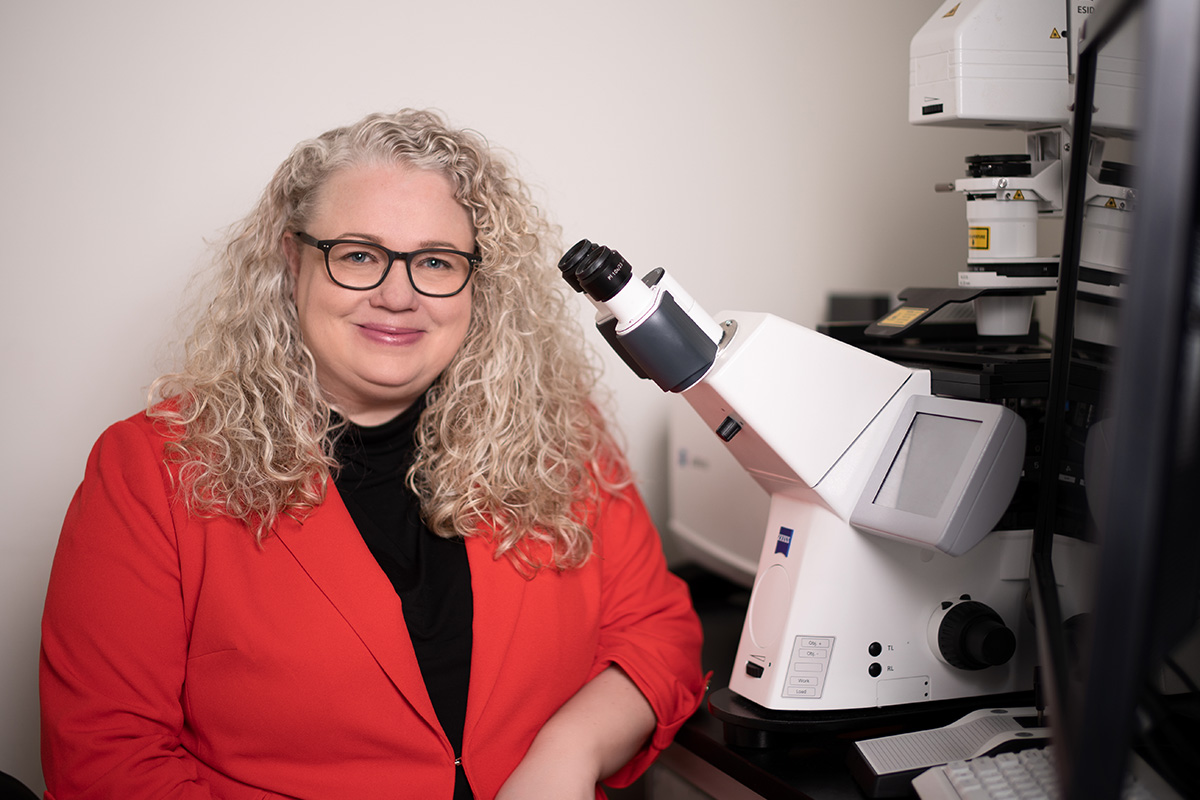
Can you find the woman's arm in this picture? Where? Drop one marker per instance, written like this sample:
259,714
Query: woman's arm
114,636
646,676
589,738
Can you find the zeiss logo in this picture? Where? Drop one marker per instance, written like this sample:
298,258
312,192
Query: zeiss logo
784,542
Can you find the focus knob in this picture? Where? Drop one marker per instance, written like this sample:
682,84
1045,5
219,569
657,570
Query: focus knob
973,636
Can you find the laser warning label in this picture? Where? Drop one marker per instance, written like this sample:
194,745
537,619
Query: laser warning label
902,316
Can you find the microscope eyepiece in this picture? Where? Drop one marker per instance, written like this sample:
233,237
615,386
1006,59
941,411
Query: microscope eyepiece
642,320
601,272
572,259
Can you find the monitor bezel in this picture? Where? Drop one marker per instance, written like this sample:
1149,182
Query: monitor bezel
1142,593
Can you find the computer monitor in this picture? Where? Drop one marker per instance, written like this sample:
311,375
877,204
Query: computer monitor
1120,451
945,475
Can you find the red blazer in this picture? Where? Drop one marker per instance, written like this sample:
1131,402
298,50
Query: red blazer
180,659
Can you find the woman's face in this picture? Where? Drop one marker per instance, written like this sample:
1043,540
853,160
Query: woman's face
378,350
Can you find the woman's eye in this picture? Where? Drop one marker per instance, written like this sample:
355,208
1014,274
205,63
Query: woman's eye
438,262
355,255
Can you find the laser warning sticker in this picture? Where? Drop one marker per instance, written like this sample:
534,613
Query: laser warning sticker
902,317
979,238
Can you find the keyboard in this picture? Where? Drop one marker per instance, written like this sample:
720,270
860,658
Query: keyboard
1026,775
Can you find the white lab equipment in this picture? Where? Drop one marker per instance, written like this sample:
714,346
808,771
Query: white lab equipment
841,620
1010,64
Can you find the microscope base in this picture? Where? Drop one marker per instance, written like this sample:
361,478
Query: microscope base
747,724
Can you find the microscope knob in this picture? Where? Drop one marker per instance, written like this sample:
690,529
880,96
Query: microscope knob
973,636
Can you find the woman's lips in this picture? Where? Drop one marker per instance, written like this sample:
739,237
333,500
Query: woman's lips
390,334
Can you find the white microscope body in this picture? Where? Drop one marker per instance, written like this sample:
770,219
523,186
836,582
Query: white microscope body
839,619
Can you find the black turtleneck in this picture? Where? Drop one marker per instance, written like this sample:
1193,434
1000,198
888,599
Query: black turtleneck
429,573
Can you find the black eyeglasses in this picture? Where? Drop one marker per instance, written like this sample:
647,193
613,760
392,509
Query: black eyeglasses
433,271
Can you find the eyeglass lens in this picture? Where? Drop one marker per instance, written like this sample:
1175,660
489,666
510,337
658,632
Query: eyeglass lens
360,265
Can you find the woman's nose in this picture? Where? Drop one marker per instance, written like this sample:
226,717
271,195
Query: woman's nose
396,292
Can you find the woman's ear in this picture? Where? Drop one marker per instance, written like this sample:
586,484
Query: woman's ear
291,253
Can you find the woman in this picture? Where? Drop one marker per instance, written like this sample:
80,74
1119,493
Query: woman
374,540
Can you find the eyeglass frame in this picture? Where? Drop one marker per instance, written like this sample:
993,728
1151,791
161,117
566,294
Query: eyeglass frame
326,245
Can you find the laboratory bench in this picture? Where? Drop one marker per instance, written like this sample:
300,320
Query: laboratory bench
779,765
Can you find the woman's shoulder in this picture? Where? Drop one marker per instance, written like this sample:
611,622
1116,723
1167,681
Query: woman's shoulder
128,459
148,430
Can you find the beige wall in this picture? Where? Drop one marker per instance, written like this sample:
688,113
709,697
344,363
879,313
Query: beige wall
759,149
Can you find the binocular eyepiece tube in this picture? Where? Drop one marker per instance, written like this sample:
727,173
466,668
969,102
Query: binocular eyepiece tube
643,320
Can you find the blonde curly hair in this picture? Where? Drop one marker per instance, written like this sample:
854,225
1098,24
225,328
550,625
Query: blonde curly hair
510,444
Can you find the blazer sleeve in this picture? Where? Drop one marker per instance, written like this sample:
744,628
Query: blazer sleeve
114,634
648,625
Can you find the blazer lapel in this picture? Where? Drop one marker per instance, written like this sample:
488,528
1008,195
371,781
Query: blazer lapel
331,551
498,592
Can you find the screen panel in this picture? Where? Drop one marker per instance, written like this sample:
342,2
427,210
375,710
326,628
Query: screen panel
945,475
932,455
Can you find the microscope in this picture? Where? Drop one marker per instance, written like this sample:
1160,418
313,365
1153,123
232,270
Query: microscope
879,582
893,573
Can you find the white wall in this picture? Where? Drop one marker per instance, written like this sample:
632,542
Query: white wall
757,148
